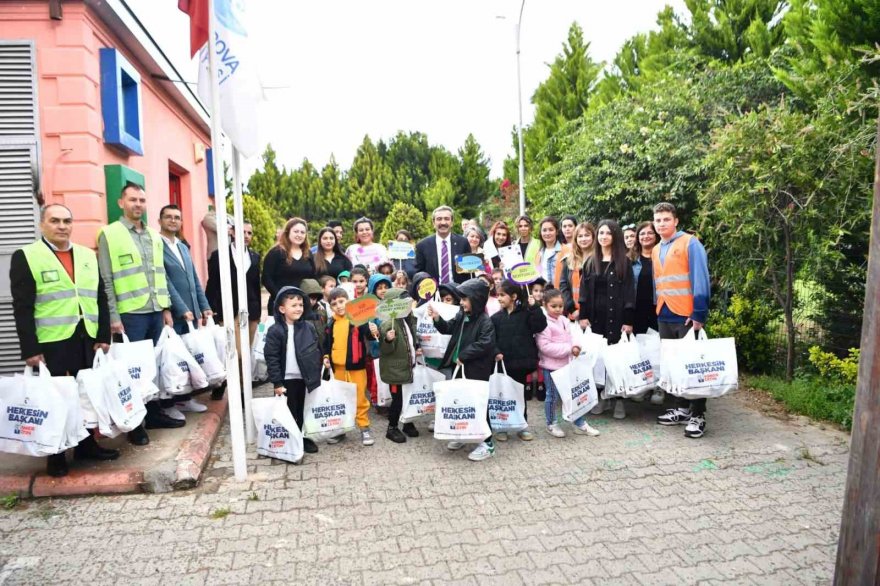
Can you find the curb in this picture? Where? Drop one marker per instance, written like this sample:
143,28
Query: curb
182,473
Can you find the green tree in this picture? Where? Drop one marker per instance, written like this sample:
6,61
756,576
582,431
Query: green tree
369,183
404,216
264,220
266,184
409,156
440,193
333,187
473,185
733,30
307,189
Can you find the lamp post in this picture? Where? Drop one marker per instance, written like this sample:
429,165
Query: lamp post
519,130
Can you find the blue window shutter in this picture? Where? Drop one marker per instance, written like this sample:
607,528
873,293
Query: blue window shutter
121,105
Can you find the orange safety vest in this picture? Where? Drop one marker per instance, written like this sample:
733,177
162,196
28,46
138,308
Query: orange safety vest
557,270
672,280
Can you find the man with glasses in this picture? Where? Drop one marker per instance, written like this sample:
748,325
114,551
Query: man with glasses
188,302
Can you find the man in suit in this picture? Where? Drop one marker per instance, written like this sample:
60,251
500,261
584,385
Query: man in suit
188,302
60,310
252,285
435,254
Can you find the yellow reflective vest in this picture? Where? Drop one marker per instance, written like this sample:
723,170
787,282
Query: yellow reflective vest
130,282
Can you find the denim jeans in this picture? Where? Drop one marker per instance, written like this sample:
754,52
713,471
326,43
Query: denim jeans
143,326
553,400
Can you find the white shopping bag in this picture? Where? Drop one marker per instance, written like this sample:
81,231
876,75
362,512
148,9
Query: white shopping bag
628,374
418,396
278,435
461,409
695,367
33,416
85,378
122,401
200,343
432,342
330,409
140,360
576,387
179,372
92,382
649,348
75,429
593,347
218,334
383,390
507,402
259,370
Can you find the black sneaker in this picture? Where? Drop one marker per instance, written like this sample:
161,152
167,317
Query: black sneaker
88,449
138,436
309,446
675,416
217,393
395,435
56,465
410,430
696,427
162,421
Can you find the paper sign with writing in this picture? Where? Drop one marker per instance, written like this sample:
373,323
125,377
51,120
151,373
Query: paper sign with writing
361,310
524,273
394,308
510,256
401,250
468,263
427,288
369,255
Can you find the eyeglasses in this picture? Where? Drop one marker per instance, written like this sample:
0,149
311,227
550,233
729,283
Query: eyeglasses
629,227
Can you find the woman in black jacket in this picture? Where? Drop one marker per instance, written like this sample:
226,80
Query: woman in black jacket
290,325
608,293
289,261
515,328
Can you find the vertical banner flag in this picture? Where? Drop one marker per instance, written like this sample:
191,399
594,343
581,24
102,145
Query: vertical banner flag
240,89
198,23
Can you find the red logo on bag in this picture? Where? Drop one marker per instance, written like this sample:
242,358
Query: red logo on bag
460,426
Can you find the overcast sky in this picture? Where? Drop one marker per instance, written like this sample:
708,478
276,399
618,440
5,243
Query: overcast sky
345,68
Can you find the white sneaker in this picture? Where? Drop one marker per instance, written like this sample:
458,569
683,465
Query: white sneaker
501,436
367,438
555,430
174,413
586,429
336,439
192,406
619,409
483,451
658,397
454,446
600,407
638,399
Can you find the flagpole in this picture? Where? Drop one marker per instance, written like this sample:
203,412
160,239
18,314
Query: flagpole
233,392
243,317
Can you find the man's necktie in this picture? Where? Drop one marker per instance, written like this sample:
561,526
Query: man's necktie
444,260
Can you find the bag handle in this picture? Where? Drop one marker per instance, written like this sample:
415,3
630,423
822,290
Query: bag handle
503,367
125,339
457,368
209,321
190,327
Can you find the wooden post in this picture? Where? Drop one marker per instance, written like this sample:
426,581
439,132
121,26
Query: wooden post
858,551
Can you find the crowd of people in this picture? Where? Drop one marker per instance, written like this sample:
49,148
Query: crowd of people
69,302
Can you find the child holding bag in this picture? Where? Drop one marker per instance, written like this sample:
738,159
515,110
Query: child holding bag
398,349
472,346
556,347
293,359
515,328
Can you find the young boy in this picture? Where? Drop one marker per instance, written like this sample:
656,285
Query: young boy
293,357
537,292
343,277
472,346
327,284
359,277
377,285
398,350
316,314
345,351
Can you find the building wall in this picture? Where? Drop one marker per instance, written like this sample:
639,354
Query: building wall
73,153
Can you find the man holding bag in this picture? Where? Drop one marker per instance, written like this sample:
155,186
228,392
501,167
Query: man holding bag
188,301
60,310
682,290
131,261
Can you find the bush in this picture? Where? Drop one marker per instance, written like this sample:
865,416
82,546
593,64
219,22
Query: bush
750,323
264,220
843,371
404,216
812,396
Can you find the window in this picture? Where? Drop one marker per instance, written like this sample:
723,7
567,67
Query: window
121,103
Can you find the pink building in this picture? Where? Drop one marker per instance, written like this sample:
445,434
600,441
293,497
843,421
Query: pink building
86,105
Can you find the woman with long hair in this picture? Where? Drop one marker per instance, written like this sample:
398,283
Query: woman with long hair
499,234
570,268
546,253
568,225
643,278
289,261
364,251
608,295
330,259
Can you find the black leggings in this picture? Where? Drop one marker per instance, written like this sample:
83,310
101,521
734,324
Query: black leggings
396,405
296,399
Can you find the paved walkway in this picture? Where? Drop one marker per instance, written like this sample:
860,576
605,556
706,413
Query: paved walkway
757,500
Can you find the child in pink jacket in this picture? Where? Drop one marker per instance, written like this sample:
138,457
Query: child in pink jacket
555,350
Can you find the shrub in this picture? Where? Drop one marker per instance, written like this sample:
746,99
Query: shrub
834,369
404,216
750,322
812,396
264,220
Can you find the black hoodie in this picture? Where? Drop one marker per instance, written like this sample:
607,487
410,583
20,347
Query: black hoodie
305,341
472,333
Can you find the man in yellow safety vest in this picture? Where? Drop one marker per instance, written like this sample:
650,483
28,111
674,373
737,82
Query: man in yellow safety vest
60,310
131,260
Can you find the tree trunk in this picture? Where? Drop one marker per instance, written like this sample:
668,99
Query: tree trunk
788,308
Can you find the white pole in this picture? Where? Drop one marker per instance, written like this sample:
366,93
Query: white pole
519,130
243,317
239,456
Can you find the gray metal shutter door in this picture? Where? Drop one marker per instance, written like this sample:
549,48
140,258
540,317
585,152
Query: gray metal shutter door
19,177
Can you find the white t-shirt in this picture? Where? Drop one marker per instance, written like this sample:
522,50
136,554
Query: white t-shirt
291,366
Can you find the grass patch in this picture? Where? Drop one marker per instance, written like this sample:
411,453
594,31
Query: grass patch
10,501
253,497
220,513
812,396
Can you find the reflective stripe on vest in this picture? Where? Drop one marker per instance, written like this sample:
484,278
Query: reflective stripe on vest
130,282
61,303
672,279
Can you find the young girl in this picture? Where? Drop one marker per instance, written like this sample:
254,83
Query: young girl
555,350
608,295
492,305
515,328
400,280
571,267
